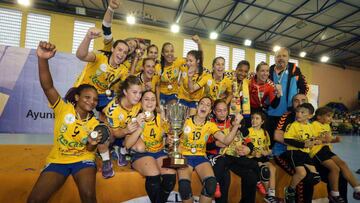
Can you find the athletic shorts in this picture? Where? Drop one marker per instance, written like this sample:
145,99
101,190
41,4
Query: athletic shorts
192,104
67,169
194,161
297,158
164,98
324,154
103,101
137,155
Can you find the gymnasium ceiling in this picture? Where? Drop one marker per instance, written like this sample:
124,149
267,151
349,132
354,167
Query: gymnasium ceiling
330,27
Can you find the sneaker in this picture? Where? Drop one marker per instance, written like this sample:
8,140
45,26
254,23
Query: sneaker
121,158
107,169
290,195
356,195
270,199
217,191
336,199
261,188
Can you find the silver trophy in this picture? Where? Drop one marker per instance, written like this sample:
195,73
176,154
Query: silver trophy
175,115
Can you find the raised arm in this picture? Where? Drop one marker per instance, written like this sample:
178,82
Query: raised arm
46,51
107,21
82,52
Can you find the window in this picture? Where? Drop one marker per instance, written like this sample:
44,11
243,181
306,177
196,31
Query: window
10,22
188,46
237,56
37,29
294,61
271,60
80,30
259,57
223,51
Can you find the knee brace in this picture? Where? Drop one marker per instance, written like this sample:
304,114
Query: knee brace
311,178
185,189
209,186
153,186
264,173
168,182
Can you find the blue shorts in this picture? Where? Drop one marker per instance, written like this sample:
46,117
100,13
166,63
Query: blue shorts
194,161
103,100
137,155
67,169
164,98
192,104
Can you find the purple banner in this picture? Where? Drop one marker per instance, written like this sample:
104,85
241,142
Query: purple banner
23,105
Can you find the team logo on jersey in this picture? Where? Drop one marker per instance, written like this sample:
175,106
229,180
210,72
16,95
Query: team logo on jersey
69,118
103,67
84,140
187,129
209,82
63,128
184,74
121,116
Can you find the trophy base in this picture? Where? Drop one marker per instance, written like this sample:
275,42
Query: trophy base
172,162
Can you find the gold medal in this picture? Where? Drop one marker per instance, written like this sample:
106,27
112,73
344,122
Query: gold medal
94,134
108,92
193,150
169,87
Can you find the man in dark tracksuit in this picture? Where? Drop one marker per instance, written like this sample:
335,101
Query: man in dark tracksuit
287,77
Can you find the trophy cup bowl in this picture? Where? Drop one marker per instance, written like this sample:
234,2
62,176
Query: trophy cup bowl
175,114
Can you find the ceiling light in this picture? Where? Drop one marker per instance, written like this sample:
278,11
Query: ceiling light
324,59
276,48
302,54
213,35
247,42
24,2
175,28
131,19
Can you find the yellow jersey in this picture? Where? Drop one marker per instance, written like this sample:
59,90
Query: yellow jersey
300,132
194,137
220,89
203,81
152,135
319,131
117,116
100,73
260,139
70,135
154,82
169,77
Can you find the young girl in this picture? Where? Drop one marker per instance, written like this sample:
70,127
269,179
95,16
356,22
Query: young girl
261,141
147,147
323,155
103,68
221,85
170,69
74,150
262,90
119,113
196,131
193,81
